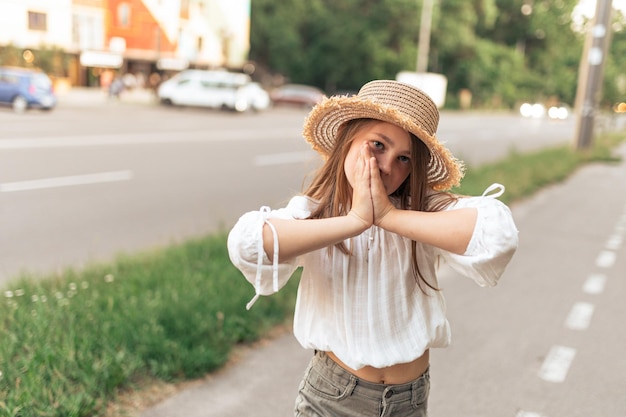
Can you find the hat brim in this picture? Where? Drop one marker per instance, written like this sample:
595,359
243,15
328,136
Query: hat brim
324,120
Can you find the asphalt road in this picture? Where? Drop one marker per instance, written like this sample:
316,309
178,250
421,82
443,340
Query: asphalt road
96,177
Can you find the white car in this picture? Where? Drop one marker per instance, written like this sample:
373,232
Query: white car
217,89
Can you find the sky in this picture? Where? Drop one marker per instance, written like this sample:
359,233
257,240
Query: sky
588,7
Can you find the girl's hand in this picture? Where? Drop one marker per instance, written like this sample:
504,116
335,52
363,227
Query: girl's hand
380,200
362,207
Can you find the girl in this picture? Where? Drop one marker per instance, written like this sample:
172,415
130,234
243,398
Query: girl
369,232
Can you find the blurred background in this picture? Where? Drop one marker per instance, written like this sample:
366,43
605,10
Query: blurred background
493,54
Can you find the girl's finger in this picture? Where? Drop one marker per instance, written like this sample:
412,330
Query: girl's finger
363,157
374,171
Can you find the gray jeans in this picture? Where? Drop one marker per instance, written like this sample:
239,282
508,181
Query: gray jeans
328,390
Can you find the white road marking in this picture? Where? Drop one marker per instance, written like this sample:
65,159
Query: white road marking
523,413
147,138
605,259
557,363
595,284
579,316
621,225
66,181
614,242
283,158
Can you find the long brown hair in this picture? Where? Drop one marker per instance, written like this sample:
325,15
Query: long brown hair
331,189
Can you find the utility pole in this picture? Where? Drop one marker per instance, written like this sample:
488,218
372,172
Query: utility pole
591,72
424,39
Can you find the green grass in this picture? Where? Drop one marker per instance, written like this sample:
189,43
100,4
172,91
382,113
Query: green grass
525,173
69,343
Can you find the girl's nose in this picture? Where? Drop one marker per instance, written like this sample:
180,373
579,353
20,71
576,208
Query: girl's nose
384,165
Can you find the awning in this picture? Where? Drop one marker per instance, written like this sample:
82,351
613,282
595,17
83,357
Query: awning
172,64
101,59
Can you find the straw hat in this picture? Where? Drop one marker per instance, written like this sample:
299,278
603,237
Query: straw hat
390,101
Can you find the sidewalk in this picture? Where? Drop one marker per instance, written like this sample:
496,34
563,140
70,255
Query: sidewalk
264,379
93,96
263,382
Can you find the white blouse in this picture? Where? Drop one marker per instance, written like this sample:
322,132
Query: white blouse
367,307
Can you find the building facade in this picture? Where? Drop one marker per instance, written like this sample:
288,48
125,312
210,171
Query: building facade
101,39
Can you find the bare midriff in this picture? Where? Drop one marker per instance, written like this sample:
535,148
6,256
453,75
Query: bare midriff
392,375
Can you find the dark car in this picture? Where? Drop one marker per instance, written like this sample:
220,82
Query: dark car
297,94
23,88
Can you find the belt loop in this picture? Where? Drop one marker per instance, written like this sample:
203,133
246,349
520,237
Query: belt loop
425,377
414,390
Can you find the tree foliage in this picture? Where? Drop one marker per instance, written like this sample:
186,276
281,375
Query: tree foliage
503,51
337,45
50,59
614,90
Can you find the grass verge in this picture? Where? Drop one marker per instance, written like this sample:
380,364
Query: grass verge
69,343
525,173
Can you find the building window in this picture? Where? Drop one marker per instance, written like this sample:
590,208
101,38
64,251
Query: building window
123,15
87,32
37,21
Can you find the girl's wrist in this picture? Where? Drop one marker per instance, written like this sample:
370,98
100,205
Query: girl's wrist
385,215
360,224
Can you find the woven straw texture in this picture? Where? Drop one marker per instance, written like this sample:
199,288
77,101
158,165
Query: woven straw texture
393,102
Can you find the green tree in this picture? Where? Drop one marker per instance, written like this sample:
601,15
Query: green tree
336,45
275,37
52,60
614,89
503,51
549,31
11,55
517,54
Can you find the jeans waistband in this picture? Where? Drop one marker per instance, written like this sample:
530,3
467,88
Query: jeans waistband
368,388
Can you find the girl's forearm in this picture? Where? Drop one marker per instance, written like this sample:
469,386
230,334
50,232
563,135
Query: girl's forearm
296,237
449,230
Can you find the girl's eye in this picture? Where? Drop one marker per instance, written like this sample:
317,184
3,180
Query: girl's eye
377,144
404,159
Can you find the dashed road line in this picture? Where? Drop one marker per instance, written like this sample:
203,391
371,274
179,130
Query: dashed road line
163,137
605,259
54,182
579,317
523,413
595,284
557,363
559,359
283,158
614,242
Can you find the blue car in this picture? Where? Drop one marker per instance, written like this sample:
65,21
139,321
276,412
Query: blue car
23,88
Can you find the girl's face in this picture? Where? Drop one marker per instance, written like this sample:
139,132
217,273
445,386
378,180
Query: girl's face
390,145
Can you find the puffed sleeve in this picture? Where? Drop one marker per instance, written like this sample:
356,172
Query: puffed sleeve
245,247
493,242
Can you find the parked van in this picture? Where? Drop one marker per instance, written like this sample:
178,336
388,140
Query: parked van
23,88
217,89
